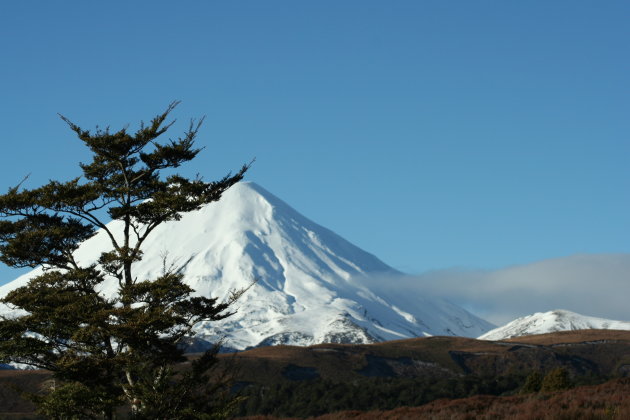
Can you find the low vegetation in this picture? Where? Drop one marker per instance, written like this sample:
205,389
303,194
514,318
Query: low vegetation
608,401
317,397
439,377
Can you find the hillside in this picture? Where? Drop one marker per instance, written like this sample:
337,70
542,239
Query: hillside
302,381
605,401
325,378
600,351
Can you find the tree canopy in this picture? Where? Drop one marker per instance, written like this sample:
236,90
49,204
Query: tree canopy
108,352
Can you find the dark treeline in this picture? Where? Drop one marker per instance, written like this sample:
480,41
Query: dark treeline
320,396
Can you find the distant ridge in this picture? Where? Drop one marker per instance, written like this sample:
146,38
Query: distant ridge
309,285
552,321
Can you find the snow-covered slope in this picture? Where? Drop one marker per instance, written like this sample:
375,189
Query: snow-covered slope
308,279
547,322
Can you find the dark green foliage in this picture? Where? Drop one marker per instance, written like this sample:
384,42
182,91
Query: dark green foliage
316,397
117,350
533,382
194,395
61,402
556,380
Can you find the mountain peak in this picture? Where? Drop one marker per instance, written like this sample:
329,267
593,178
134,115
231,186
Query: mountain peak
307,283
552,321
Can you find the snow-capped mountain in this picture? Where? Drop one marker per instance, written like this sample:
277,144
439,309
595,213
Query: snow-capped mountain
308,286
547,322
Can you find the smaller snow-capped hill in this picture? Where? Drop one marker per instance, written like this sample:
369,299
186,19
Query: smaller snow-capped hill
311,285
553,321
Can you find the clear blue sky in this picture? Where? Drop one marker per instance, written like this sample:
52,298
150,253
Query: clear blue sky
433,134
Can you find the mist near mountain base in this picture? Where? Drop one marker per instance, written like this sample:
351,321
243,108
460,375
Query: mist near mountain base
594,285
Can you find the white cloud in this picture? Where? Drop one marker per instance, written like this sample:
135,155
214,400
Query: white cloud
593,285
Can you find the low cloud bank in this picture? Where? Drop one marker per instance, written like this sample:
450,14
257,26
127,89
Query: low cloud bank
593,285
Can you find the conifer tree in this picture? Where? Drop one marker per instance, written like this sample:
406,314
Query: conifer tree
120,350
